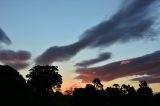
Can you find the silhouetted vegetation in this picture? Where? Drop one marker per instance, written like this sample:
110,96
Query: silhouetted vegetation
42,80
13,88
42,88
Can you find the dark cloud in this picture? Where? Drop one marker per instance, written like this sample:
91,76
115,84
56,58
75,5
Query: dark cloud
12,56
14,59
17,60
57,53
148,79
134,20
144,65
4,38
17,65
100,58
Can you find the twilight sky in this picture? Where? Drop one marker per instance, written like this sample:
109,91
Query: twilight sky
114,40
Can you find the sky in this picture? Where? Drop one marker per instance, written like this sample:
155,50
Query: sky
116,41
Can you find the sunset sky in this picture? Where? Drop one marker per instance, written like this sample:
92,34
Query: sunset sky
117,41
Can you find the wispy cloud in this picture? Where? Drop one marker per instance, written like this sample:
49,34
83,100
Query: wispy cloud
15,59
100,58
4,38
134,20
144,65
148,79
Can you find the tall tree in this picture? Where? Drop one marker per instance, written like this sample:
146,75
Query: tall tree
44,78
97,84
144,89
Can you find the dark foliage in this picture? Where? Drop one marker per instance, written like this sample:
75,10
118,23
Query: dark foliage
116,95
13,88
97,84
41,79
44,78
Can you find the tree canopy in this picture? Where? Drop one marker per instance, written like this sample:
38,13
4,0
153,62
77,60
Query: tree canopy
10,80
38,90
13,88
44,78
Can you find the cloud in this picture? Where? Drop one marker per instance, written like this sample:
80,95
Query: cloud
57,53
100,58
133,21
136,19
4,38
144,65
17,65
125,62
17,60
12,56
14,59
148,79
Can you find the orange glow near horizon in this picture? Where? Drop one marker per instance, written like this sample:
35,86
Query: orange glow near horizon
120,81
70,82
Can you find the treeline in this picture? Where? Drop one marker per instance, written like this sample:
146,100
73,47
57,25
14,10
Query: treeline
42,88
124,95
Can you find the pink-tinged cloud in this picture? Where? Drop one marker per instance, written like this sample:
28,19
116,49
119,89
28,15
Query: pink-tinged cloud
125,62
133,21
15,59
100,58
148,64
76,85
4,38
12,56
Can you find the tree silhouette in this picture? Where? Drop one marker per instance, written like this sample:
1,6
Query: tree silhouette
128,90
44,78
13,89
9,77
144,93
114,91
116,86
144,89
125,88
97,84
90,89
69,91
